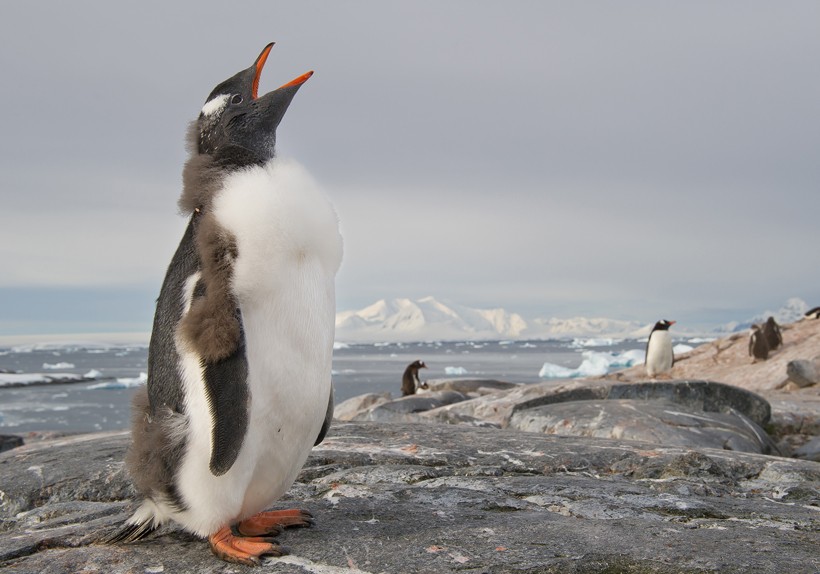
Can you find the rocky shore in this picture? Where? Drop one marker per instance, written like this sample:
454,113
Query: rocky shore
618,474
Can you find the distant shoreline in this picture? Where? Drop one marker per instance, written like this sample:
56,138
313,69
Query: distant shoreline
79,339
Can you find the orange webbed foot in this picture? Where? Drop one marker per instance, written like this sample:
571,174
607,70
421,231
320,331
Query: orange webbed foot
272,522
246,550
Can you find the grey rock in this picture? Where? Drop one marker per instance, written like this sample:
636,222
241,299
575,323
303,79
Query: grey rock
10,441
707,396
471,387
352,407
403,409
809,450
656,421
403,497
802,373
439,392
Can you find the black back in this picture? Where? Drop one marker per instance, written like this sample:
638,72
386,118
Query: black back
164,380
225,381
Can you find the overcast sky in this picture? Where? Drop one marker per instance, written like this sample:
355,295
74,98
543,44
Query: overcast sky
631,160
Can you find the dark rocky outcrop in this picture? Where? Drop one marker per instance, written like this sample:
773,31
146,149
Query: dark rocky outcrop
400,497
10,441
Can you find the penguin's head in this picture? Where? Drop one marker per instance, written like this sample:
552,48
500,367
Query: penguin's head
416,365
663,325
237,126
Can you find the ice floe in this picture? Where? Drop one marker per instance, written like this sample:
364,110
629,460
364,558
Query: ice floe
595,363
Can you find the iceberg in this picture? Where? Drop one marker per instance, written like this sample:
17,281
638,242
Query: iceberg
56,366
594,364
592,342
24,379
455,371
121,383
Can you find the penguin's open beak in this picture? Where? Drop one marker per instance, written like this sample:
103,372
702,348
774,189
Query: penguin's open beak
260,63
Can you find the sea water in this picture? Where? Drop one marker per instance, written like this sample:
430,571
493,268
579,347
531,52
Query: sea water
102,402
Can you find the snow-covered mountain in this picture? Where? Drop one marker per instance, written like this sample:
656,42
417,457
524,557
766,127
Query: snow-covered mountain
425,320
553,328
792,311
428,319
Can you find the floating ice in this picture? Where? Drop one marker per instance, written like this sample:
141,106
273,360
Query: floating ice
93,374
680,348
455,371
594,364
23,379
121,383
55,366
339,345
592,342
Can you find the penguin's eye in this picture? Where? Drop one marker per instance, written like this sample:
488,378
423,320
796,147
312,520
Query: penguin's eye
237,99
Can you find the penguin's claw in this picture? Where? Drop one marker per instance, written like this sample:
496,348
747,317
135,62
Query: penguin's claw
273,522
243,550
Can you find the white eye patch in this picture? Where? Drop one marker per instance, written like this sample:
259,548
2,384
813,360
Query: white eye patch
215,105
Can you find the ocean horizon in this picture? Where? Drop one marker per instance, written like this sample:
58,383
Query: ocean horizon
86,385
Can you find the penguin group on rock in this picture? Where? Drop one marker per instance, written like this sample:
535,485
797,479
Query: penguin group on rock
410,379
659,355
239,368
764,339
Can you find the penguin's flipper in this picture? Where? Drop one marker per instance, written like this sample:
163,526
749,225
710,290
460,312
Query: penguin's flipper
226,386
328,419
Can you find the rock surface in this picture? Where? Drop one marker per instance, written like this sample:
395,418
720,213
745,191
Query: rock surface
802,372
399,497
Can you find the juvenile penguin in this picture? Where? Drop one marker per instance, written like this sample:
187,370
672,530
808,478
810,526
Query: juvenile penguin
410,378
239,362
758,345
773,335
659,355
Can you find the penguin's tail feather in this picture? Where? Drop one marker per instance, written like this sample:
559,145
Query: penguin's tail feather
130,533
144,521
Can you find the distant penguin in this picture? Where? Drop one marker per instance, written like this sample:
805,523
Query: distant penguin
758,345
410,378
813,313
659,355
773,336
239,362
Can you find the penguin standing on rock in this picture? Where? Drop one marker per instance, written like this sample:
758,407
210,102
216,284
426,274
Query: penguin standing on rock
410,378
239,365
758,345
659,355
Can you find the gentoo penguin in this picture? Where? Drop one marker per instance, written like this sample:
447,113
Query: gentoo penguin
758,345
410,378
659,355
239,364
773,336
813,313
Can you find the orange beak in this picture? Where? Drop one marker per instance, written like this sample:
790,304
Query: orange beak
260,63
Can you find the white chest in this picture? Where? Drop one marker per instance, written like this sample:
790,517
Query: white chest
288,251
659,357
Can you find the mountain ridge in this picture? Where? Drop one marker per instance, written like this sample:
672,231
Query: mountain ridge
428,319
